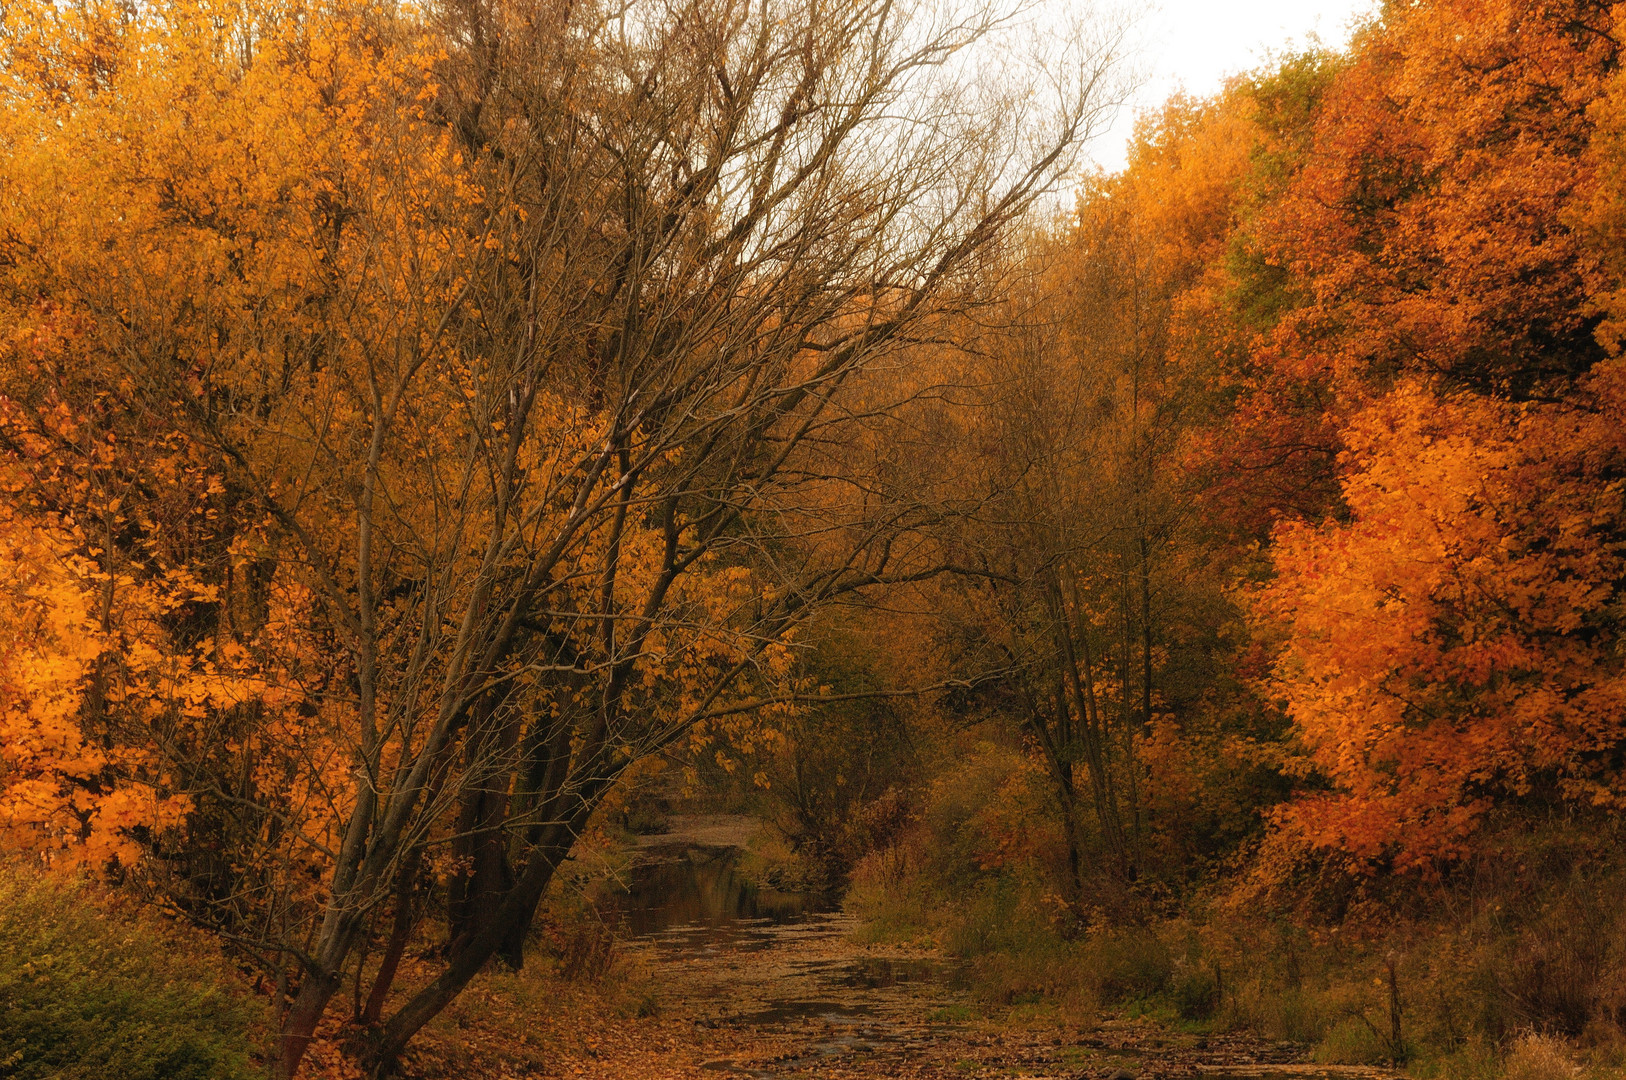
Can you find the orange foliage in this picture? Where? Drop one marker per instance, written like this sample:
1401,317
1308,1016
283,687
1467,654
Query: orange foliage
149,640
1425,229
1449,642
124,659
1392,288
1455,641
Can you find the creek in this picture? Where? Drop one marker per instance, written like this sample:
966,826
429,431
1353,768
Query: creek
699,889
776,989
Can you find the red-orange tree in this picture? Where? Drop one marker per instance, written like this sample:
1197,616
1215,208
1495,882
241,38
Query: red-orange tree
1425,227
1425,223
1454,644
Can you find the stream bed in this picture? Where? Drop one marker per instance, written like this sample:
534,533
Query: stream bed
778,990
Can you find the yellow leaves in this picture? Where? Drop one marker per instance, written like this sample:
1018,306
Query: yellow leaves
93,686
222,175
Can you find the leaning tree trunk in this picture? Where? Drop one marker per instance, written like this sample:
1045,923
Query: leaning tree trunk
395,947
517,908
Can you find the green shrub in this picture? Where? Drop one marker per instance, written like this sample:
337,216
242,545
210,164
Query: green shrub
86,994
1131,964
1352,1041
1196,993
1477,1058
991,921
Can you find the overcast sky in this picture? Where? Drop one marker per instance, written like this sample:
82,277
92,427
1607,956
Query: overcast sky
1194,44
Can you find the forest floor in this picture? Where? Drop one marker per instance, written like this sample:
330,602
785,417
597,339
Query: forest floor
804,1000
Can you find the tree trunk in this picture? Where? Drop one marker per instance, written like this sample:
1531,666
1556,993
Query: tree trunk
481,841
1080,681
1145,665
517,908
482,844
299,1026
1075,856
400,933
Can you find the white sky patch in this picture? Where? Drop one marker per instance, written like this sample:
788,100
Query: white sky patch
1194,45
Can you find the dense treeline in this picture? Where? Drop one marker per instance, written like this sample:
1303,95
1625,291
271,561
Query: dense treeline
1299,455
421,427
1294,480
1384,320
1326,383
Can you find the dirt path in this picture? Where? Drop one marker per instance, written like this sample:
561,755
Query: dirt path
801,1000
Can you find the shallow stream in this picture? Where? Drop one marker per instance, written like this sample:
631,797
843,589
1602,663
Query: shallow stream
777,990
700,889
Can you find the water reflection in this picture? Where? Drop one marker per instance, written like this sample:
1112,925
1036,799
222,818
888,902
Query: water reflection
684,886
880,972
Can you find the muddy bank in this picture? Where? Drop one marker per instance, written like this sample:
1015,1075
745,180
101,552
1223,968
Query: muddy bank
803,1001
714,977
720,831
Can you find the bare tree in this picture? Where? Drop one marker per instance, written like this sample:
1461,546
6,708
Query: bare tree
1070,452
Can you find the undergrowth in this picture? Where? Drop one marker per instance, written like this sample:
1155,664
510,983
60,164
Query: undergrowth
90,992
1505,969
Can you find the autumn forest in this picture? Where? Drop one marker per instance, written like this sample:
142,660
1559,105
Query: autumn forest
485,479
